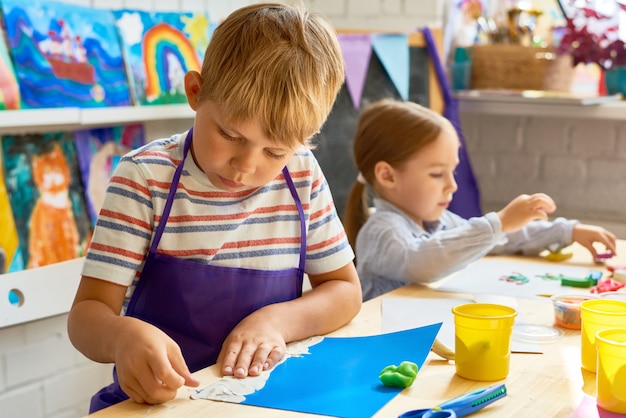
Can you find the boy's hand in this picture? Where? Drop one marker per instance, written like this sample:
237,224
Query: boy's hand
524,209
150,365
253,346
586,235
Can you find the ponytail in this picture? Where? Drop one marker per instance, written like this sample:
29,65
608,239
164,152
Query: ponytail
356,212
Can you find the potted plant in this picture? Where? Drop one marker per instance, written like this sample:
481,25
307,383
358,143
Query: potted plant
592,35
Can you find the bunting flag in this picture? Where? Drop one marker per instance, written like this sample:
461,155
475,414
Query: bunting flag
356,49
393,52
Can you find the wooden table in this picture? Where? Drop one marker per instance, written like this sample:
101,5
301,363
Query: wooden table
551,384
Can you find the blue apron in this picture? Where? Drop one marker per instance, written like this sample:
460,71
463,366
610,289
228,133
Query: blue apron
466,200
197,304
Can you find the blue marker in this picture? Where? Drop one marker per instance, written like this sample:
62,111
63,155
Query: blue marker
461,406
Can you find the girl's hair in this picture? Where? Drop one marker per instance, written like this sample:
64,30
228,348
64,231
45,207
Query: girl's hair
391,131
279,64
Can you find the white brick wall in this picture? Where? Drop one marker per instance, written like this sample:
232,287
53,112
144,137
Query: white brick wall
580,163
41,374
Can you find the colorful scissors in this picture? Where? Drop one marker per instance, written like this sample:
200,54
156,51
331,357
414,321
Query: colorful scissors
461,406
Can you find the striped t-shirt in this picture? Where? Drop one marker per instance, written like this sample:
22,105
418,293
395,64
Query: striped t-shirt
256,229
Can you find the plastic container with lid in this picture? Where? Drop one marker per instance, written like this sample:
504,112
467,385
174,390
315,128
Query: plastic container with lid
567,309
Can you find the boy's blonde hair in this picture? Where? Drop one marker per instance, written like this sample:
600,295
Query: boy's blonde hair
280,65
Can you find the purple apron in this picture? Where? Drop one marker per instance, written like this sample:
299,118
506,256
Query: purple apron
198,304
466,200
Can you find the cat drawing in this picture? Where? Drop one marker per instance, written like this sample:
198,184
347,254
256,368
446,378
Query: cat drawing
53,234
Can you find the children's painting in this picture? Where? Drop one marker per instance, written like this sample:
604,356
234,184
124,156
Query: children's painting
99,151
9,89
160,47
10,256
46,194
65,54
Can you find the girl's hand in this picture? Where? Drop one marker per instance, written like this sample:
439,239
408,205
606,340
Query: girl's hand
150,365
524,209
586,235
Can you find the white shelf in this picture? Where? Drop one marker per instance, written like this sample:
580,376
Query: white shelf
530,107
42,120
44,291
120,115
10,119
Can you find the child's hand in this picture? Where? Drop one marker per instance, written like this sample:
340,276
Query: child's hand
586,235
252,347
150,365
524,209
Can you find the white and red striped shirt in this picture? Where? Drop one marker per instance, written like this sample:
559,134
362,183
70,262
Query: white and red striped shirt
256,229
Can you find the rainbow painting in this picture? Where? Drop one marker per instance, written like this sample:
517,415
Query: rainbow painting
65,55
159,48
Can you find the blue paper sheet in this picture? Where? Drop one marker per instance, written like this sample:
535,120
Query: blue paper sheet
340,375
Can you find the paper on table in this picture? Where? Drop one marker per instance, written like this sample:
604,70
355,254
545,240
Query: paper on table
405,313
483,276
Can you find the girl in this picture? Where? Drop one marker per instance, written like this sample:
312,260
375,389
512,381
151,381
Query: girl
408,154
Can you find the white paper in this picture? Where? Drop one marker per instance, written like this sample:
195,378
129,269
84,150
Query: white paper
484,277
399,314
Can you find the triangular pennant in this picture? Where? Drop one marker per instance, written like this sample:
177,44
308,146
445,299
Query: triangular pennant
393,52
356,50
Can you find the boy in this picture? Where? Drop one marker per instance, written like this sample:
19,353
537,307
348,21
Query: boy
204,237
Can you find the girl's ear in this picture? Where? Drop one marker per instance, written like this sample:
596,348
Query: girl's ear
193,82
385,174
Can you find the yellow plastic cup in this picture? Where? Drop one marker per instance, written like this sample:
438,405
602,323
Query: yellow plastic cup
611,379
483,340
596,315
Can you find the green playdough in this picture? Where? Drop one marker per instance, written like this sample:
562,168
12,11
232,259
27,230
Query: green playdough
401,376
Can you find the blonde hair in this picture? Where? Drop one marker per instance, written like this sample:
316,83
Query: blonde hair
279,64
391,131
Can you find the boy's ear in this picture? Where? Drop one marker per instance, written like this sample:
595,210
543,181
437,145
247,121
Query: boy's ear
193,82
385,174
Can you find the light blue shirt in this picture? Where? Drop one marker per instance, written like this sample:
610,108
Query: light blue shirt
392,250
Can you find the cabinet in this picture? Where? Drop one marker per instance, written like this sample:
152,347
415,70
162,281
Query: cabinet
46,291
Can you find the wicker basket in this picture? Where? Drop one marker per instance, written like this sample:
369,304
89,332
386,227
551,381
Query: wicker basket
516,67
